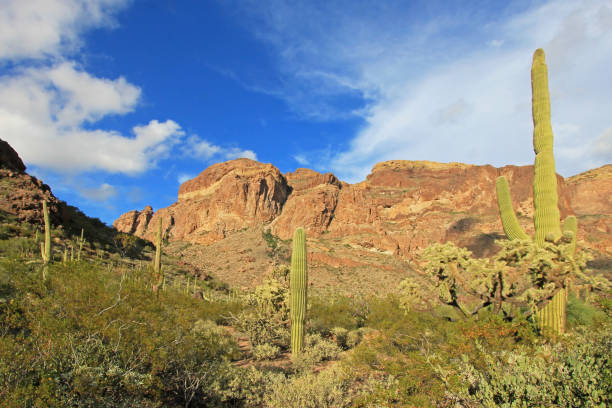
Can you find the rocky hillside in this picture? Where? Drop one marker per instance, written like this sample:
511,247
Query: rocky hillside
22,195
401,207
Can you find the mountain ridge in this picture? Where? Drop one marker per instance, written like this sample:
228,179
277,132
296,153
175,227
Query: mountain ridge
401,207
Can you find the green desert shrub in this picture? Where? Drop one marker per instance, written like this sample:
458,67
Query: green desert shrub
266,352
328,311
91,336
573,373
330,388
580,313
340,335
316,350
248,387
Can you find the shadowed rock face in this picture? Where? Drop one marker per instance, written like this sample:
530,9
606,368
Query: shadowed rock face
22,194
9,159
401,207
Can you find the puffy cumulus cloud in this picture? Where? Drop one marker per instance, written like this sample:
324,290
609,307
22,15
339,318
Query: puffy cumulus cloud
43,110
100,194
199,148
45,28
443,82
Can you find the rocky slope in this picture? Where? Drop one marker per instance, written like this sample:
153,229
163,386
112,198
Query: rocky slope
401,207
22,195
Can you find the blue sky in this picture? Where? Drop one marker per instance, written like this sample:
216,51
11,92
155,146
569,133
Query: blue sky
115,102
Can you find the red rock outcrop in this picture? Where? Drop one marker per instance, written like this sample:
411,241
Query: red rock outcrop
225,197
591,192
311,205
591,197
134,222
401,207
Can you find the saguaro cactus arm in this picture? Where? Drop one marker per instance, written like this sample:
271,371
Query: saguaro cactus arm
299,288
510,223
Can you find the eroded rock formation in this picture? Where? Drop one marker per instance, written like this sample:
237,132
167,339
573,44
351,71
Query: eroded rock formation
401,207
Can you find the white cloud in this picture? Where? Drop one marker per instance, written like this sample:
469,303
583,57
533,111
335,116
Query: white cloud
48,28
432,94
199,148
43,110
237,153
301,159
100,194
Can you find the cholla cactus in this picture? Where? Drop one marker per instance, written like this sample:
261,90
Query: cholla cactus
299,288
522,275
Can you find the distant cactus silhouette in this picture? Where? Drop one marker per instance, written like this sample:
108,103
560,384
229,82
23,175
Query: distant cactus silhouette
81,242
299,289
547,219
157,269
45,249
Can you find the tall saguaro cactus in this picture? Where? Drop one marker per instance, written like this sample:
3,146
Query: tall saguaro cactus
45,249
545,199
547,218
157,272
299,288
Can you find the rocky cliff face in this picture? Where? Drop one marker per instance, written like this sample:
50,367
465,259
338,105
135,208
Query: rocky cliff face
22,194
401,207
225,197
591,197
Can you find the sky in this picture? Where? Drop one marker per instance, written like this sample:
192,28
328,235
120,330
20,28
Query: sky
115,103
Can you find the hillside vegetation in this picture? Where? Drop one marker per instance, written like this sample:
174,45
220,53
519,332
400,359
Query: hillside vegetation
94,335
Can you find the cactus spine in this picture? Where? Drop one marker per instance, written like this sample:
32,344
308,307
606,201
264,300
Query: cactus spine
45,249
299,289
545,199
